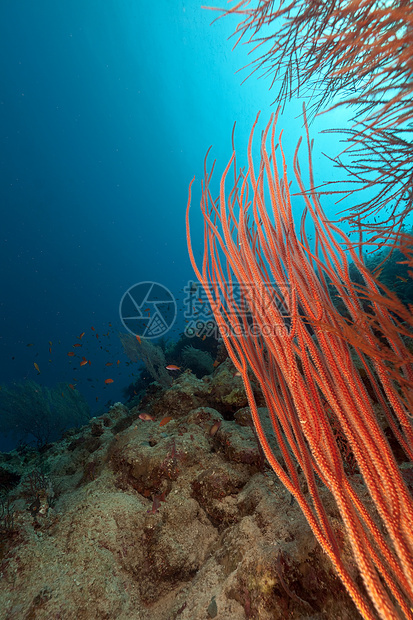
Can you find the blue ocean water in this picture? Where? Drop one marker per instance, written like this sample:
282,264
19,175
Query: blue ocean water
106,112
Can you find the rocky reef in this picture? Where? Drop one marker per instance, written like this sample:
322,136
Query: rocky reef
176,516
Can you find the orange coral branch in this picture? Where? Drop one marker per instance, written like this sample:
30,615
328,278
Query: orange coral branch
286,329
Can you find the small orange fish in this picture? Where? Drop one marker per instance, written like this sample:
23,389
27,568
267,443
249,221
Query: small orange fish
108,380
81,335
50,349
118,362
172,367
31,344
215,364
83,362
145,417
92,328
77,344
165,420
71,386
215,428
37,367
108,364
71,353
138,338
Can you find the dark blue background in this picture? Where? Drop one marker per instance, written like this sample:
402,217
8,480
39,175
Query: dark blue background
106,112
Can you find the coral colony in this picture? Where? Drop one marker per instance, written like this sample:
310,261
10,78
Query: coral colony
323,366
